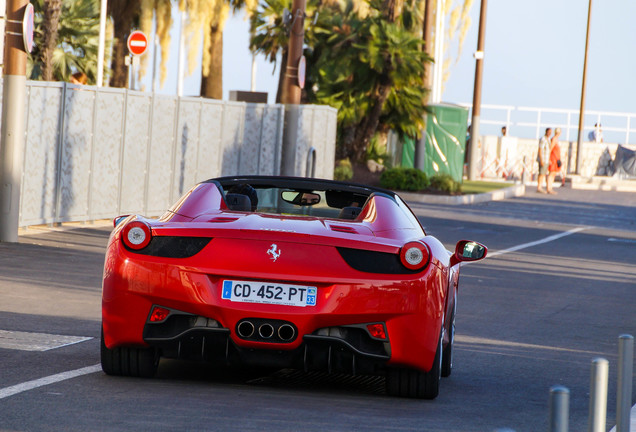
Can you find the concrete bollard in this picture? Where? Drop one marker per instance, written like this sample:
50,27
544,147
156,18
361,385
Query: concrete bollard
598,395
624,391
559,409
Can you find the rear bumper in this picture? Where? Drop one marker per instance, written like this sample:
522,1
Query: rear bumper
411,309
340,350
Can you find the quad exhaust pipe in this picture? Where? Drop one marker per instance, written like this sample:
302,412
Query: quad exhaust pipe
270,331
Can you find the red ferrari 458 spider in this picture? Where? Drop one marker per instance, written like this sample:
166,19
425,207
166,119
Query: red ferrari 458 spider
284,272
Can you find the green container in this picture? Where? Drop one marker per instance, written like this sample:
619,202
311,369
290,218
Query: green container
445,143
408,153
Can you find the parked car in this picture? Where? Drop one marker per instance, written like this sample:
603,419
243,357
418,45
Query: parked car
284,272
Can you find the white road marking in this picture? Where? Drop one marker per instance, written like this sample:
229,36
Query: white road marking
538,242
52,379
28,341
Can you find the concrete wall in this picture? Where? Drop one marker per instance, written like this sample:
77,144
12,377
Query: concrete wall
510,157
96,153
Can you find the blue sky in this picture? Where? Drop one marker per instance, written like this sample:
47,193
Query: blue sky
533,57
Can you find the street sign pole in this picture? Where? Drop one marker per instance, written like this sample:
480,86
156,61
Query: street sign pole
137,46
19,21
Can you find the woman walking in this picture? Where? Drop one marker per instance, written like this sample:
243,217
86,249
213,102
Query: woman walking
555,160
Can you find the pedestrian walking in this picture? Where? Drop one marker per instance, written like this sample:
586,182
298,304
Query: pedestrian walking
543,159
555,163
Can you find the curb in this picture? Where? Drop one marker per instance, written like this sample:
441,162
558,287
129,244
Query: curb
498,195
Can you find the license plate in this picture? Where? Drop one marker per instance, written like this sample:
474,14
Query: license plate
269,293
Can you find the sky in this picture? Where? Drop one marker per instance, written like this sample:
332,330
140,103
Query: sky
534,52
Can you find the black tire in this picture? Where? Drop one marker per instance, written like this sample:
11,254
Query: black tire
124,361
413,383
447,353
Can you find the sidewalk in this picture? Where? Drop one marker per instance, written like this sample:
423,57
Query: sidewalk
573,182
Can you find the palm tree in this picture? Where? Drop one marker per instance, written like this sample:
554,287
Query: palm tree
269,35
51,10
125,14
76,46
368,64
212,64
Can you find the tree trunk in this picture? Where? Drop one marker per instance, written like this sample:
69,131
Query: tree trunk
367,127
212,84
51,21
281,76
124,14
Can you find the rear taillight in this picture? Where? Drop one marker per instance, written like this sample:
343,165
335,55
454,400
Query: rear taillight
414,255
136,235
159,314
377,330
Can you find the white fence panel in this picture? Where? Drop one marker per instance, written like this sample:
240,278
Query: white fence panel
98,153
41,160
160,166
76,154
135,153
106,165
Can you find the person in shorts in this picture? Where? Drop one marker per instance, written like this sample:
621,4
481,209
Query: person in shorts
543,158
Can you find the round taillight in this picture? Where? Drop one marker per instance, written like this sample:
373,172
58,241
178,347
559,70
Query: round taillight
136,235
414,255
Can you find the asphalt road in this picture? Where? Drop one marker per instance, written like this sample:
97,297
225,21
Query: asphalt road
558,289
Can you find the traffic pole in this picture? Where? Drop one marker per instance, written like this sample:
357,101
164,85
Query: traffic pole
293,82
579,139
473,156
624,390
559,409
13,119
598,395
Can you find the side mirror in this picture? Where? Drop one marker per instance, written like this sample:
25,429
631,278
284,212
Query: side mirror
119,219
466,251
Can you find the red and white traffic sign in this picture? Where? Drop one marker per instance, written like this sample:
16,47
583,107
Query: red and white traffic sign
137,43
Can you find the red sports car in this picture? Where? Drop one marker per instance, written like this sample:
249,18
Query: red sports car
284,272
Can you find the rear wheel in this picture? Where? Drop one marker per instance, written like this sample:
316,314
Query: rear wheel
414,383
124,361
447,353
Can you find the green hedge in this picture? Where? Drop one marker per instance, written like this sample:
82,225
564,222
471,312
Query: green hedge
414,180
406,179
445,183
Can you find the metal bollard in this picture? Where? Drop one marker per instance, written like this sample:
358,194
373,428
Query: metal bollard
598,395
624,391
559,409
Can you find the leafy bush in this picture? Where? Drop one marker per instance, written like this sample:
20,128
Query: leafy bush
343,170
406,179
445,183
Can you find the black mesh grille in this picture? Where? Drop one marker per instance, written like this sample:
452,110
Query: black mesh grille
174,247
374,262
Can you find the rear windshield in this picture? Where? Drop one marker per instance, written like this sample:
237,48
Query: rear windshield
302,202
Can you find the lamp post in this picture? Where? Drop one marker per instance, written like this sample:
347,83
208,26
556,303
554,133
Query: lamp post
582,108
19,23
479,67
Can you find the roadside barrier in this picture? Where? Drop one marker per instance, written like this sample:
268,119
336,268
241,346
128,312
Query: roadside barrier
559,409
624,390
560,396
598,395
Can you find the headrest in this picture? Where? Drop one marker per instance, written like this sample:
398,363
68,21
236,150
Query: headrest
238,202
349,212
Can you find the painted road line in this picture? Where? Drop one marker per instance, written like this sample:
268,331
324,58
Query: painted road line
27,341
538,242
52,379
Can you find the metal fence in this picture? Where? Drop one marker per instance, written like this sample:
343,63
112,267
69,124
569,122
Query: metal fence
530,122
94,153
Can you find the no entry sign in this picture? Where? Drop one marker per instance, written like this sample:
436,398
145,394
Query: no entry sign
137,43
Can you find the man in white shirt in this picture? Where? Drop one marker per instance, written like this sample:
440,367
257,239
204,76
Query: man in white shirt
543,158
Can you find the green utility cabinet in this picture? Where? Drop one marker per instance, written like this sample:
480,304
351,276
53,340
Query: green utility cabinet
445,140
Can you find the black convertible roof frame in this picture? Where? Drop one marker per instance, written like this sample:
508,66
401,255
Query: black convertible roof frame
302,183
